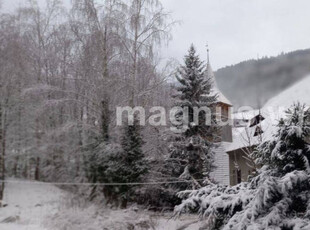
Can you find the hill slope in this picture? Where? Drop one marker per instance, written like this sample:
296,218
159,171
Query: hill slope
254,82
273,111
299,92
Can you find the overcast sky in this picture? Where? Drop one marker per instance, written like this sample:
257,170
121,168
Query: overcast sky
236,30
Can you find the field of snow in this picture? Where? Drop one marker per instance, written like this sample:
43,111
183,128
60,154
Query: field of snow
299,92
28,205
40,206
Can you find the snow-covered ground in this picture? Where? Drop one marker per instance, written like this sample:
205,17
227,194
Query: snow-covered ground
40,206
28,205
299,92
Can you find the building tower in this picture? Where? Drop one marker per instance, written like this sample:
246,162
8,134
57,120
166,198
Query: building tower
221,158
223,104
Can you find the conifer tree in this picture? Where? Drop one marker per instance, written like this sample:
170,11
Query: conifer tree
124,164
276,198
98,151
289,150
191,155
133,162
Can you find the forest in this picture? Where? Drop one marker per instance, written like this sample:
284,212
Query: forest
270,75
63,74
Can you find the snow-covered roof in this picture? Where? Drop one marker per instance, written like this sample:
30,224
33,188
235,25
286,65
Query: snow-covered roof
299,92
244,136
245,115
273,111
215,90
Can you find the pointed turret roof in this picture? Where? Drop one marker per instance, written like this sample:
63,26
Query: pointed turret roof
215,90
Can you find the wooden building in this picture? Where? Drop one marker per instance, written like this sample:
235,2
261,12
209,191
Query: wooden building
223,107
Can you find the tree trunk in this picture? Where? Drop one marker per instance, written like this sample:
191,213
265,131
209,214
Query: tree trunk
2,154
105,120
135,53
124,202
36,160
37,169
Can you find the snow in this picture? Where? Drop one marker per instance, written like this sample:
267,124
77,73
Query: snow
42,206
265,203
30,204
244,136
273,111
215,90
299,92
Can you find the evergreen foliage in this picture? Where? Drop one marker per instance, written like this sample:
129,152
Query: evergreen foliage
277,198
191,156
108,162
289,149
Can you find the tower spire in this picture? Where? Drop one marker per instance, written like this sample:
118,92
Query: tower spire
208,58
210,76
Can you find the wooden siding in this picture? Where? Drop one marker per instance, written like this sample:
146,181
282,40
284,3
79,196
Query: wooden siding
221,173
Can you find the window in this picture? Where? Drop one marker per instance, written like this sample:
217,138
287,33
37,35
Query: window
238,176
256,120
258,131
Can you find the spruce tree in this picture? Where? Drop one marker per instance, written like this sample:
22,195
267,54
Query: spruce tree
108,162
289,150
191,156
276,198
98,150
124,164
133,163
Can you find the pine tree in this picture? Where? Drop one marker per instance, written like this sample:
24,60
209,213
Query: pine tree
289,150
276,198
134,163
113,163
191,155
98,153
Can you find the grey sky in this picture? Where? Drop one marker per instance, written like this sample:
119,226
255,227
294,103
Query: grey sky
236,30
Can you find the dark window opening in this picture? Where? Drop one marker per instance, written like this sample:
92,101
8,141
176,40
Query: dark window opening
258,131
238,176
256,120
